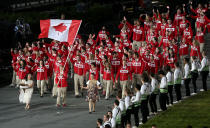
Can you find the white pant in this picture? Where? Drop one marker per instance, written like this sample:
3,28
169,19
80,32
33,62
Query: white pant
41,85
61,94
201,47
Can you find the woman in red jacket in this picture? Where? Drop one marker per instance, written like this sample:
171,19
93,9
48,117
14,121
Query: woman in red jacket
200,38
41,76
183,51
152,66
108,77
171,59
61,82
94,70
22,71
195,49
124,74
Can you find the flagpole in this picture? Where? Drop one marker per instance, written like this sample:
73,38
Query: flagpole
69,51
71,48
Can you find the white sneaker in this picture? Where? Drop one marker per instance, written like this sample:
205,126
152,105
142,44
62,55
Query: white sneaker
175,102
17,86
155,113
134,127
151,113
193,94
185,97
167,105
159,110
170,105
106,98
140,123
201,90
11,85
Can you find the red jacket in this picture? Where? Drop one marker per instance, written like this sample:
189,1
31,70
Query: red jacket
177,19
200,37
164,42
183,49
138,33
61,79
187,35
171,29
115,63
48,66
171,61
126,43
195,51
137,66
152,67
123,72
182,26
22,72
14,57
41,72
56,66
79,68
108,75
102,36
162,29
158,60
95,72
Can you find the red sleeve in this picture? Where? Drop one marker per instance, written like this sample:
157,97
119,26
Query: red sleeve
118,73
142,67
120,26
97,75
194,17
97,39
199,53
193,10
112,75
131,76
56,79
45,73
161,42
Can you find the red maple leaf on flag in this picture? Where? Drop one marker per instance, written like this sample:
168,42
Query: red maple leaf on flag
61,27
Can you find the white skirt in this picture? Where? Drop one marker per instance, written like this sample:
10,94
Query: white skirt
25,97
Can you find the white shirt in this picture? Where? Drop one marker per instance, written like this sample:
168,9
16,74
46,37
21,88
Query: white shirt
163,82
97,83
122,105
113,122
107,123
177,74
145,89
193,65
186,70
127,102
154,83
116,112
169,77
137,97
204,63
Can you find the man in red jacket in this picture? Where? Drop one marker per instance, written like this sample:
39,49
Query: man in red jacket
124,74
200,38
56,66
138,35
79,73
137,69
61,82
41,76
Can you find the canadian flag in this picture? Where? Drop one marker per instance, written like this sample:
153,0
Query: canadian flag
60,30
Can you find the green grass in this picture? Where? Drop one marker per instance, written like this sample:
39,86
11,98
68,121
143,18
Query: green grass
193,111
